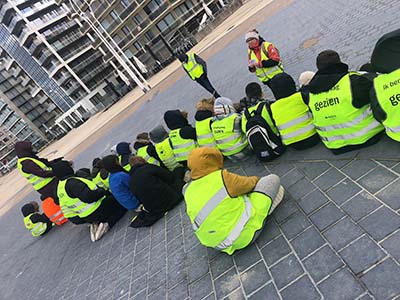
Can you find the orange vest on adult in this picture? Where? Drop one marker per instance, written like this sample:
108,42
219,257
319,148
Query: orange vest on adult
53,211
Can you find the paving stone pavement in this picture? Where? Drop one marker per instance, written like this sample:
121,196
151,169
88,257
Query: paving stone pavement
335,236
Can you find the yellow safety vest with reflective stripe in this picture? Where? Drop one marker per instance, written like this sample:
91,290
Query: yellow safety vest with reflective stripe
37,182
205,137
337,121
228,141
194,69
72,207
100,182
265,74
142,152
387,89
264,114
36,229
293,119
166,154
127,167
220,221
181,146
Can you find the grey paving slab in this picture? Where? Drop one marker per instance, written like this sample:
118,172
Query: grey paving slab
341,286
326,216
302,289
312,201
343,191
267,292
383,280
322,263
286,271
362,254
361,205
167,261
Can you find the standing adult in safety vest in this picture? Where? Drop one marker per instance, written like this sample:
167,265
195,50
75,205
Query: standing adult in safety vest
38,224
196,68
36,170
340,105
385,95
203,117
82,198
291,114
144,148
182,135
227,211
227,131
263,58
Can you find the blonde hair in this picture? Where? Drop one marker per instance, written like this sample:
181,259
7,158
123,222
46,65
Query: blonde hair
205,104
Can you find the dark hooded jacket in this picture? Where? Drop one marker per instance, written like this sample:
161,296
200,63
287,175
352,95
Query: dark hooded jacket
74,187
175,120
328,77
156,188
124,152
24,149
385,59
202,115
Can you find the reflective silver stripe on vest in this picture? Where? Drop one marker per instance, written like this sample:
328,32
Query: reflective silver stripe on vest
349,124
79,203
393,129
55,215
294,122
205,136
215,200
180,146
38,180
182,154
236,146
59,220
208,145
270,71
229,139
39,228
357,134
297,132
237,230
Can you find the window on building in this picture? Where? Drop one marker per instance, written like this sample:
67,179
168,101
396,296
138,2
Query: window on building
105,24
128,53
114,15
137,45
166,23
125,3
150,34
152,6
126,30
138,19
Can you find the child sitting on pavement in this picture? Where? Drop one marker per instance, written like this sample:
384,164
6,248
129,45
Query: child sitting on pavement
38,224
203,117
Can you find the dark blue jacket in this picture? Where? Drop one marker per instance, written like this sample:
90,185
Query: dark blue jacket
119,185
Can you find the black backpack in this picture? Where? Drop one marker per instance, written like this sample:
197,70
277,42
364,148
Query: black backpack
264,142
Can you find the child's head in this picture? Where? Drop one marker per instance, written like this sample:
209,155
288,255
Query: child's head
158,134
135,161
305,78
282,86
176,119
254,91
29,208
205,104
124,148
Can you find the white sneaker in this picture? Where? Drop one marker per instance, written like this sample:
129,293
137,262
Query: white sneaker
278,199
101,230
93,229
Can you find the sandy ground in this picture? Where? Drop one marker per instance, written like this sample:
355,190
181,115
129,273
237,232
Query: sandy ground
13,187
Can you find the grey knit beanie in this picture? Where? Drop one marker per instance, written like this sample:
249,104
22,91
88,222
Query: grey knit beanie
158,134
